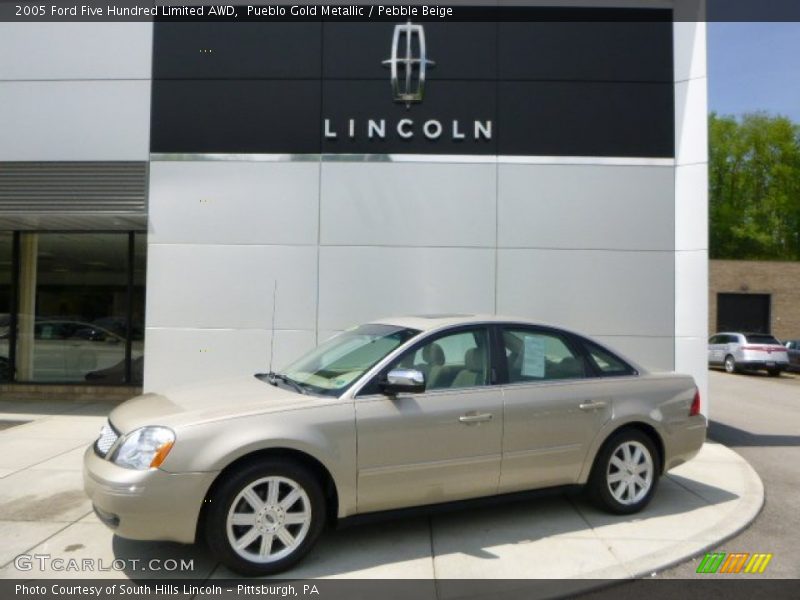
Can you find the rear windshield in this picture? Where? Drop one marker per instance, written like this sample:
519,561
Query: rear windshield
762,339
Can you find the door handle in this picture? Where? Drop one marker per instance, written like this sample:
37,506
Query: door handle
591,405
475,418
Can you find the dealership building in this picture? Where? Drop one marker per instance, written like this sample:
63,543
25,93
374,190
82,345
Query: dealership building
179,198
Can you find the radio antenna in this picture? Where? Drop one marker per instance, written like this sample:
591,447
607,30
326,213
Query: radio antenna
272,331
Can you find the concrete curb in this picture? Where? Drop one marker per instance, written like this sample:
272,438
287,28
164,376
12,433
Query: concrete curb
749,507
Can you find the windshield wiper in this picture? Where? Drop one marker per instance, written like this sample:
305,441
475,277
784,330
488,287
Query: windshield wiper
272,377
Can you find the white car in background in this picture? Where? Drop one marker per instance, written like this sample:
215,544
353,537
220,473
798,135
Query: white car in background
737,352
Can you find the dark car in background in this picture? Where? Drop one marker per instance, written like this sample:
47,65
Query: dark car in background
737,352
793,350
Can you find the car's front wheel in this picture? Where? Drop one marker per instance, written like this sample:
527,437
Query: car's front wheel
625,474
774,372
730,364
265,517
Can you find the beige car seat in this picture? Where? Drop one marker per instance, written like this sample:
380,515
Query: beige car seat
433,355
474,372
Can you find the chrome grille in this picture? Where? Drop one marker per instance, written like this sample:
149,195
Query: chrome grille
107,439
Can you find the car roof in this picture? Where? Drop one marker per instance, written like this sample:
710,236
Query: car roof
746,334
438,321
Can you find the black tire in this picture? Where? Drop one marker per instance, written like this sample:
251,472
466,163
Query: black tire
226,497
774,372
599,487
730,364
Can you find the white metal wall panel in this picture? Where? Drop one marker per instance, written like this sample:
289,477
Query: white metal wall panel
74,120
176,356
233,202
408,204
595,292
597,207
60,51
216,286
367,282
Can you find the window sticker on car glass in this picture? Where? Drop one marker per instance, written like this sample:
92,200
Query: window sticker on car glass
533,359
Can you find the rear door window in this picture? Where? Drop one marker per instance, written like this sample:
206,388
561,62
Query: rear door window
533,355
608,364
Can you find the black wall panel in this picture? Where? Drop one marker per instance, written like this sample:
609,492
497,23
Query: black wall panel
237,50
565,51
235,116
550,88
585,119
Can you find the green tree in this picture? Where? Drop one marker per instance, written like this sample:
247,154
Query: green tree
754,187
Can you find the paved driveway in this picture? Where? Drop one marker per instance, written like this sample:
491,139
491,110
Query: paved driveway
759,417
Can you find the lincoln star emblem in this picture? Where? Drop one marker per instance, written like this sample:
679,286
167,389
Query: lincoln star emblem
408,70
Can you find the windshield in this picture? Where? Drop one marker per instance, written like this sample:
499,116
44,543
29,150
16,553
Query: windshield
336,364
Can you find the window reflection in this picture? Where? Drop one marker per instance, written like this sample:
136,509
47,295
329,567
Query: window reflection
76,294
6,240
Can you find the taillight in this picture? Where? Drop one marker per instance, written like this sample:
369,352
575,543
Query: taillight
695,409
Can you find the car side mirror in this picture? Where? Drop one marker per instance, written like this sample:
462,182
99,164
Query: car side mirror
398,381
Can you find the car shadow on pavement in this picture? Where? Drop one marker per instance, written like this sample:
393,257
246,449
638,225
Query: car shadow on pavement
161,560
403,547
733,436
785,375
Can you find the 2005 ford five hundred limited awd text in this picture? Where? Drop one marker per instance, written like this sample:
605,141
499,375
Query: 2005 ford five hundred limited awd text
397,413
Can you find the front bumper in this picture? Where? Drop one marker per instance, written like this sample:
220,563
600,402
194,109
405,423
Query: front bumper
145,505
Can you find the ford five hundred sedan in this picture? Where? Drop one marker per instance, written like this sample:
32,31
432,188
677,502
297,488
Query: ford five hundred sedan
398,413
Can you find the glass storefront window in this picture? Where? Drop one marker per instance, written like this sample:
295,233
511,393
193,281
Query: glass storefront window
80,308
137,308
6,253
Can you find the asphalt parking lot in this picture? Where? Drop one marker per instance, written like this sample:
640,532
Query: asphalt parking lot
759,417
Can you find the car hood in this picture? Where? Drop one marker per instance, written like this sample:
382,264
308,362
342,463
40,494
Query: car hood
214,401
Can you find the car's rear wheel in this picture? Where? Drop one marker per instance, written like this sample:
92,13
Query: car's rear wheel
730,364
265,517
625,474
774,372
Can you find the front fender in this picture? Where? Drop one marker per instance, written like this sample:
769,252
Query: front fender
326,433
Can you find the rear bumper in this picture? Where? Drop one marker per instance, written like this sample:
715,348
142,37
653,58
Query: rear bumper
761,365
145,505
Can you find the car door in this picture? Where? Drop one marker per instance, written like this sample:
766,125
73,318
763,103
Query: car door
552,408
732,344
440,445
714,352
793,349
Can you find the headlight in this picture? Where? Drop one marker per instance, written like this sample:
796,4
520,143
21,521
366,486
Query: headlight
144,448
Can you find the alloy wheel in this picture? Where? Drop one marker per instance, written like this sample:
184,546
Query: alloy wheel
630,472
269,519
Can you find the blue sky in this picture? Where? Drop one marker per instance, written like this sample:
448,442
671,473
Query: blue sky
754,66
